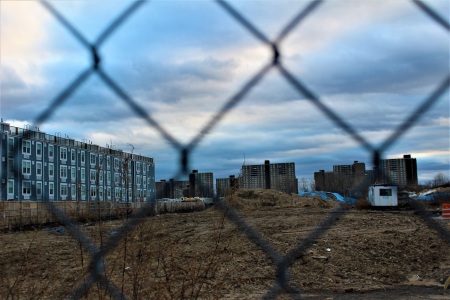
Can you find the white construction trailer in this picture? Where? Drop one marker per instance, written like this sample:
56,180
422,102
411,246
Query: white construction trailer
383,195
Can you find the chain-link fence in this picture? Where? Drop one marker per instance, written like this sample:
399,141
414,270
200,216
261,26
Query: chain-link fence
281,262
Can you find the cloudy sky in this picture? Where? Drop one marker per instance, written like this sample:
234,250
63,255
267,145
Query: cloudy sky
372,63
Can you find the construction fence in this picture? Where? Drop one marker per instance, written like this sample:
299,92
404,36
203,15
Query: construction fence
17,214
67,213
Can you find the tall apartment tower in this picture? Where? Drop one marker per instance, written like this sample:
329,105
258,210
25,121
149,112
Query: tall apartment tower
279,176
41,167
322,180
346,179
172,189
399,171
201,184
225,186
356,171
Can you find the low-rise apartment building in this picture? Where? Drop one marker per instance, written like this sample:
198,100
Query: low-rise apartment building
37,166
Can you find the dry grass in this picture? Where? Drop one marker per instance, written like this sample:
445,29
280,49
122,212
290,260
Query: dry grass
203,255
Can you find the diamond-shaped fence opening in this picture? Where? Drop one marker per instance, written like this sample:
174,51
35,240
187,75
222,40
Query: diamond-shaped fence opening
282,263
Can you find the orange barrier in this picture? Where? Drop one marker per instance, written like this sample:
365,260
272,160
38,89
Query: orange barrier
446,211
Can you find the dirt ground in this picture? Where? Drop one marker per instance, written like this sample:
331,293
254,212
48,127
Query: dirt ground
360,253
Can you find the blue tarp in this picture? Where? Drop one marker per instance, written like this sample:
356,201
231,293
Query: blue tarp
322,195
431,197
326,196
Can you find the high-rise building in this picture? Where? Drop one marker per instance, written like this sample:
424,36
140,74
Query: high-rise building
346,179
225,186
172,189
322,180
399,171
278,176
41,167
201,184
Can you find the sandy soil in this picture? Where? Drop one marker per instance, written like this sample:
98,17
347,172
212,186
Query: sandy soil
361,253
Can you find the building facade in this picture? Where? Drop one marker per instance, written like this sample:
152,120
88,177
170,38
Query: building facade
348,180
278,176
41,167
172,189
399,171
225,186
201,184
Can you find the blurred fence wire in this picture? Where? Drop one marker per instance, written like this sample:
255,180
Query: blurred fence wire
282,263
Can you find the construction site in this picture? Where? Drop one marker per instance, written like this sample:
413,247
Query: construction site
356,252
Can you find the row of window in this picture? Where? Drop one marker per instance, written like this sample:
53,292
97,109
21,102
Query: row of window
74,190
64,152
63,173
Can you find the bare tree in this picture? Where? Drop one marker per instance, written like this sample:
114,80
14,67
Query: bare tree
440,179
312,185
303,185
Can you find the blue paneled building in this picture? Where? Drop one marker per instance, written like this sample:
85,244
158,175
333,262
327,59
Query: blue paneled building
41,167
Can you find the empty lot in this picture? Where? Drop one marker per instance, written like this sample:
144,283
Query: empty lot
361,253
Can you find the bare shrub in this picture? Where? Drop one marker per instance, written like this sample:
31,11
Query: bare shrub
362,203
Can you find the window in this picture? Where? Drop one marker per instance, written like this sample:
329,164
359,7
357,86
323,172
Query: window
83,174
92,192
63,190
116,163
11,166
10,186
39,188
50,151
72,155
26,147
108,192
38,169
101,177
117,193
83,191
51,170
138,167
82,157
26,188
108,178
11,145
116,178
73,174
63,153
92,177
108,165
26,167
51,189
38,149
385,192
92,159
73,190
63,171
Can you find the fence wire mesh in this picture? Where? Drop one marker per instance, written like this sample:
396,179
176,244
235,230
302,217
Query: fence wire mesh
282,263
